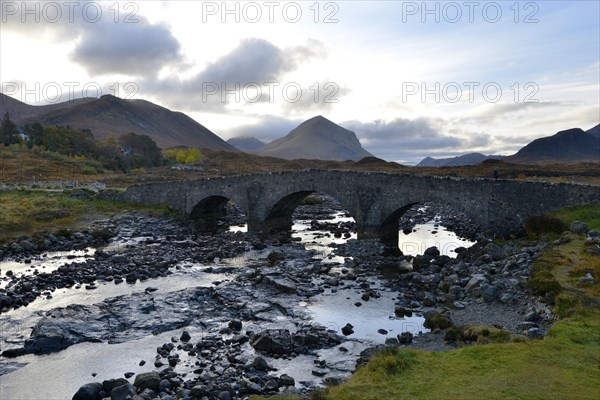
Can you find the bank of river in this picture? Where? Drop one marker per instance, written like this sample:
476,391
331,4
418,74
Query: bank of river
231,314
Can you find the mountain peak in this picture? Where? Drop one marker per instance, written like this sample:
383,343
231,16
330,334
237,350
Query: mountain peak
246,143
317,138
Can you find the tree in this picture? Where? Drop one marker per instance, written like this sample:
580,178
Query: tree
8,131
35,133
141,150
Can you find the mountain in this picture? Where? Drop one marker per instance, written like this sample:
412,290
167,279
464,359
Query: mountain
566,146
246,144
466,159
112,115
316,139
18,110
595,131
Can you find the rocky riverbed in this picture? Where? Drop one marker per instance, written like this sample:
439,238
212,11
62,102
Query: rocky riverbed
149,307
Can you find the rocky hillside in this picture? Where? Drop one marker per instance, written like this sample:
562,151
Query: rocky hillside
111,115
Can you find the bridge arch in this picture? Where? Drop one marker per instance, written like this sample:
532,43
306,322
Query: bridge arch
280,214
207,212
388,230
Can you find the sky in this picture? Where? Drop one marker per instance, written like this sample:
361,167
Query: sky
411,79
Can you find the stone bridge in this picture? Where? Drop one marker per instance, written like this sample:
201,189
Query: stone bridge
375,200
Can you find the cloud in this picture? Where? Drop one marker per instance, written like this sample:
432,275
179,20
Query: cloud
130,46
138,49
492,112
267,128
405,139
253,66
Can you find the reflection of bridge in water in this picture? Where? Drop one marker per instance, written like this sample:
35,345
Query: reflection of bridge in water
375,200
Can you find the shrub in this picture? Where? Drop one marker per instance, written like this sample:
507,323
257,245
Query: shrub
544,224
392,361
311,201
103,234
437,321
88,170
543,283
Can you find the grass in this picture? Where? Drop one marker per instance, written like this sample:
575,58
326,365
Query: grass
26,212
18,164
589,214
563,365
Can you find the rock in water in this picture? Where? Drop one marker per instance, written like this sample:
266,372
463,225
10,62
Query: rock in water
348,329
185,337
275,341
89,391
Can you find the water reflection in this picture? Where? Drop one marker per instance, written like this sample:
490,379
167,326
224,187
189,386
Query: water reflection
431,234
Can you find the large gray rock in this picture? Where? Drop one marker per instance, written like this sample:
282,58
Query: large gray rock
89,391
273,341
121,392
475,282
490,293
49,336
147,380
495,251
109,384
199,391
579,228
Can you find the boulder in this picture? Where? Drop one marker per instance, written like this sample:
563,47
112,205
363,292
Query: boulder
89,391
185,336
579,228
49,336
121,392
405,338
109,384
272,341
475,281
199,391
286,380
347,330
260,364
432,252
147,380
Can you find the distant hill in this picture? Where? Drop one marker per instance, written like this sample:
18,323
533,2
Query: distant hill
317,139
572,145
595,131
466,159
18,110
112,115
246,144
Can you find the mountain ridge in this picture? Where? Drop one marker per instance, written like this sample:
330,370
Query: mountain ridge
465,159
110,115
570,145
